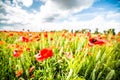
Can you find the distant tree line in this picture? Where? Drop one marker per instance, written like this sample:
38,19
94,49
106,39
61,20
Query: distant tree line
109,31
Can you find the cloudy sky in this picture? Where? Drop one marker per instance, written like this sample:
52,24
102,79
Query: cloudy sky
38,15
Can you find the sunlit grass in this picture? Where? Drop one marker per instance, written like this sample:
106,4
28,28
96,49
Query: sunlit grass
72,59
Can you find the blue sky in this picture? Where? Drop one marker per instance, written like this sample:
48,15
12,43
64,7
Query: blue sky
38,15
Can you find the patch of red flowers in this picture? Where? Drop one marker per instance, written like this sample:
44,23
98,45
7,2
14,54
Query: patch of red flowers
96,41
17,53
44,54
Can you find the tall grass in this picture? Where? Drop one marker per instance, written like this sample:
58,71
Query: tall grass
83,63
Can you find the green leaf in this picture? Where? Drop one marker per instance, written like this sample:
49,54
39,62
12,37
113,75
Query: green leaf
110,75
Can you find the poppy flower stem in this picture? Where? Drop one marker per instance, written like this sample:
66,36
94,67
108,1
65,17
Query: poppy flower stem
24,72
70,74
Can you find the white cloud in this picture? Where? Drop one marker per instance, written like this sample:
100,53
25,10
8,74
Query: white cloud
113,15
102,24
17,15
26,3
97,22
56,9
7,28
53,11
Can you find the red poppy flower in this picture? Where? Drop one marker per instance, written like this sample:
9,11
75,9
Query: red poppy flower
51,39
36,36
19,73
45,35
23,39
63,35
95,41
5,31
2,42
74,34
17,53
118,40
11,34
31,69
44,54
28,49
89,34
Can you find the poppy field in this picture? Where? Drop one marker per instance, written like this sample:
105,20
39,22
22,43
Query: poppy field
59,55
